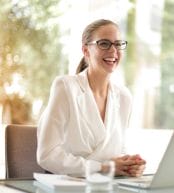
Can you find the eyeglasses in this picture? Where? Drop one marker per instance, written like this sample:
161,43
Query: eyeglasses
105,44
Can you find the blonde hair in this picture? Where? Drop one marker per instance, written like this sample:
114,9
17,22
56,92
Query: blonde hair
87,37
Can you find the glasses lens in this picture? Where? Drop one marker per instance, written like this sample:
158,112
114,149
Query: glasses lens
120,44
104,44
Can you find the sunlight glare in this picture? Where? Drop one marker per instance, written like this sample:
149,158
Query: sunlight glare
37,106
15,87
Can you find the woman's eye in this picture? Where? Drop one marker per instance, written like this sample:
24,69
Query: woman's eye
119,44
104,44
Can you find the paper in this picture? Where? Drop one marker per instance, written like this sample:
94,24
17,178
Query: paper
60,182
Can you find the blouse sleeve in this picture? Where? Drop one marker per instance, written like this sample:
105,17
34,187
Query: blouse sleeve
50,135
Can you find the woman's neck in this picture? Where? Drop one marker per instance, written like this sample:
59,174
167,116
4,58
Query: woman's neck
98,82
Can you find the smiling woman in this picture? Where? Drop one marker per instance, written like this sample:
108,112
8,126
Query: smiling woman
87,114
103,43
32,34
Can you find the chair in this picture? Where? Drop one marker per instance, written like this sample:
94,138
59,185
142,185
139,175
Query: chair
20,151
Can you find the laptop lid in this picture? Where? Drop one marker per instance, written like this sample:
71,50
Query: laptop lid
164,176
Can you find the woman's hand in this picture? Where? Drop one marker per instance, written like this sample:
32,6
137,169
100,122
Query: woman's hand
129,165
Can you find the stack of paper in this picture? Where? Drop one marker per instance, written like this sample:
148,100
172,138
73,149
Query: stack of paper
60,182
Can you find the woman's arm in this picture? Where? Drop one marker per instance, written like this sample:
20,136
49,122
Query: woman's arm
51,154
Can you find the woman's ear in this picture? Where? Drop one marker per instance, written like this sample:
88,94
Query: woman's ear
85,50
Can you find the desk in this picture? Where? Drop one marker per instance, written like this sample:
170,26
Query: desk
28,186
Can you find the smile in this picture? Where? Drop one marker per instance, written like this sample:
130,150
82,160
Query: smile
110,60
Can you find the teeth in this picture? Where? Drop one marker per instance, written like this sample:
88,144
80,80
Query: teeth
110,59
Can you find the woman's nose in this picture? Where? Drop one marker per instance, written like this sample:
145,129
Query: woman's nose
113,49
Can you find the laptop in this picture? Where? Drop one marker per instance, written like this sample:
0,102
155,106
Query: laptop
164,176
126,189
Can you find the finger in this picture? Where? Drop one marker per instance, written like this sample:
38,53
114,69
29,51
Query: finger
129,162
135,156
137,167
122,173
139,159
136,171
125,157
140,162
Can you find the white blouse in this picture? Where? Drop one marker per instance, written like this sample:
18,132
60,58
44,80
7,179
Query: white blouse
71,130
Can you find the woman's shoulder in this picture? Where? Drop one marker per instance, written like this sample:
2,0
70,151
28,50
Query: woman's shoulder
66,82
71,80
64,79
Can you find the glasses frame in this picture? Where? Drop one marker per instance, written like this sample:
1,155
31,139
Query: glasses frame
109,45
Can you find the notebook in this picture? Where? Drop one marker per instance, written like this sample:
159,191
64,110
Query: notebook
59,182
164,176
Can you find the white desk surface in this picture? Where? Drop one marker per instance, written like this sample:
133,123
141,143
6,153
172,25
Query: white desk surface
28,186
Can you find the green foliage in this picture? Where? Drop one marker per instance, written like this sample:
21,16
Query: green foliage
130,64
165,105
30,46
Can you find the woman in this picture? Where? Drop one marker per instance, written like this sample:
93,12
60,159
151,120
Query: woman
87,114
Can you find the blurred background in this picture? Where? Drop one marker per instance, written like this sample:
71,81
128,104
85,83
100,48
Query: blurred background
40,40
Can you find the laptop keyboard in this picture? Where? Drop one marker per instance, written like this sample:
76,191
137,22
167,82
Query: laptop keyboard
143,179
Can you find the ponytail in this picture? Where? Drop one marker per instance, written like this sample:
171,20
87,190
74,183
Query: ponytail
82,66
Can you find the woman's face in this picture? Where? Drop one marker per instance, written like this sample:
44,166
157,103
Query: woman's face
104,61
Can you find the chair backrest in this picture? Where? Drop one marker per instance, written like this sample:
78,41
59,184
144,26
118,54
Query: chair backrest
20,151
